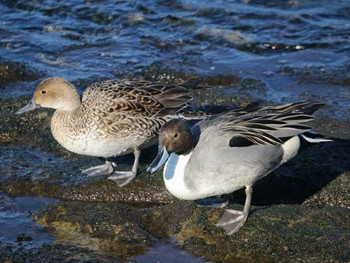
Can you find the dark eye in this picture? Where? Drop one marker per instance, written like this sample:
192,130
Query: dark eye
176,135
43,92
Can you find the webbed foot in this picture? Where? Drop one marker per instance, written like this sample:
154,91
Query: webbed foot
104,169
232,220
122,178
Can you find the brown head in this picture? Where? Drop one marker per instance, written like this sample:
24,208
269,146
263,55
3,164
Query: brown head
174,137
56,93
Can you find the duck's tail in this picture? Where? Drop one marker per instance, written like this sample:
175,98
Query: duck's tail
309,138
313,137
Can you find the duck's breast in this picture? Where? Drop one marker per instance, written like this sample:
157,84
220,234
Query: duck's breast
174,175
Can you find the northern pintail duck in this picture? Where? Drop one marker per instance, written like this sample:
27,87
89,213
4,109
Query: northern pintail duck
229,151
114,117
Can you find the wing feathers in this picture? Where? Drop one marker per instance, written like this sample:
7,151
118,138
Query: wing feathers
135,97
266,126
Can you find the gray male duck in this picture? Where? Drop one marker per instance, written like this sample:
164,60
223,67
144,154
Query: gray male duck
113,118
230,151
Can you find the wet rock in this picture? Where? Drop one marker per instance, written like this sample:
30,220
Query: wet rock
141,190
32,128
112,228
118,229
164,73
52,253
332,127
337,75
163,221
121,230
336,193
280,233
14,71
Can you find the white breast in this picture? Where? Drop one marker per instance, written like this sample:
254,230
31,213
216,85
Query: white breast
174,176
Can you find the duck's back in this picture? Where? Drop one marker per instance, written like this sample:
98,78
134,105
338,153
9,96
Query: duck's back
137,97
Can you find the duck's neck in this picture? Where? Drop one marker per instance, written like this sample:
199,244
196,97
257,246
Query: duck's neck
72,106
73,102
68,128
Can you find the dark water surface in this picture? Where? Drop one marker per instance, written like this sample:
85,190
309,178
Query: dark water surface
16,224
297,49
277,51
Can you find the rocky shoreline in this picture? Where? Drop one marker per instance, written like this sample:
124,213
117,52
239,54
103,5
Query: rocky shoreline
300,212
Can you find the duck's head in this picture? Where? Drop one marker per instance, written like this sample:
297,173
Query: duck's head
56,93
176,137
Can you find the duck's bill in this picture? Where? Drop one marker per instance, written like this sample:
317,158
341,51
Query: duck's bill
160,159
29,107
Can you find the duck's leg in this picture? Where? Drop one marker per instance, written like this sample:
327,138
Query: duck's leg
213,202
122,178
104,169
233,220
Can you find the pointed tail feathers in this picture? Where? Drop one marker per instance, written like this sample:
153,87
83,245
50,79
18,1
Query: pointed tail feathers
313,137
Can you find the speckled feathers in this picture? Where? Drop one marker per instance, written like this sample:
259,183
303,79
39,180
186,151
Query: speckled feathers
114,117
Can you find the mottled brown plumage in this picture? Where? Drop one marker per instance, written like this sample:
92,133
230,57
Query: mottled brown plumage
114,117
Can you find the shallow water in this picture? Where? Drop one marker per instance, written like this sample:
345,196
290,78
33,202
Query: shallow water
17,224
18,228
297,49
166,252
